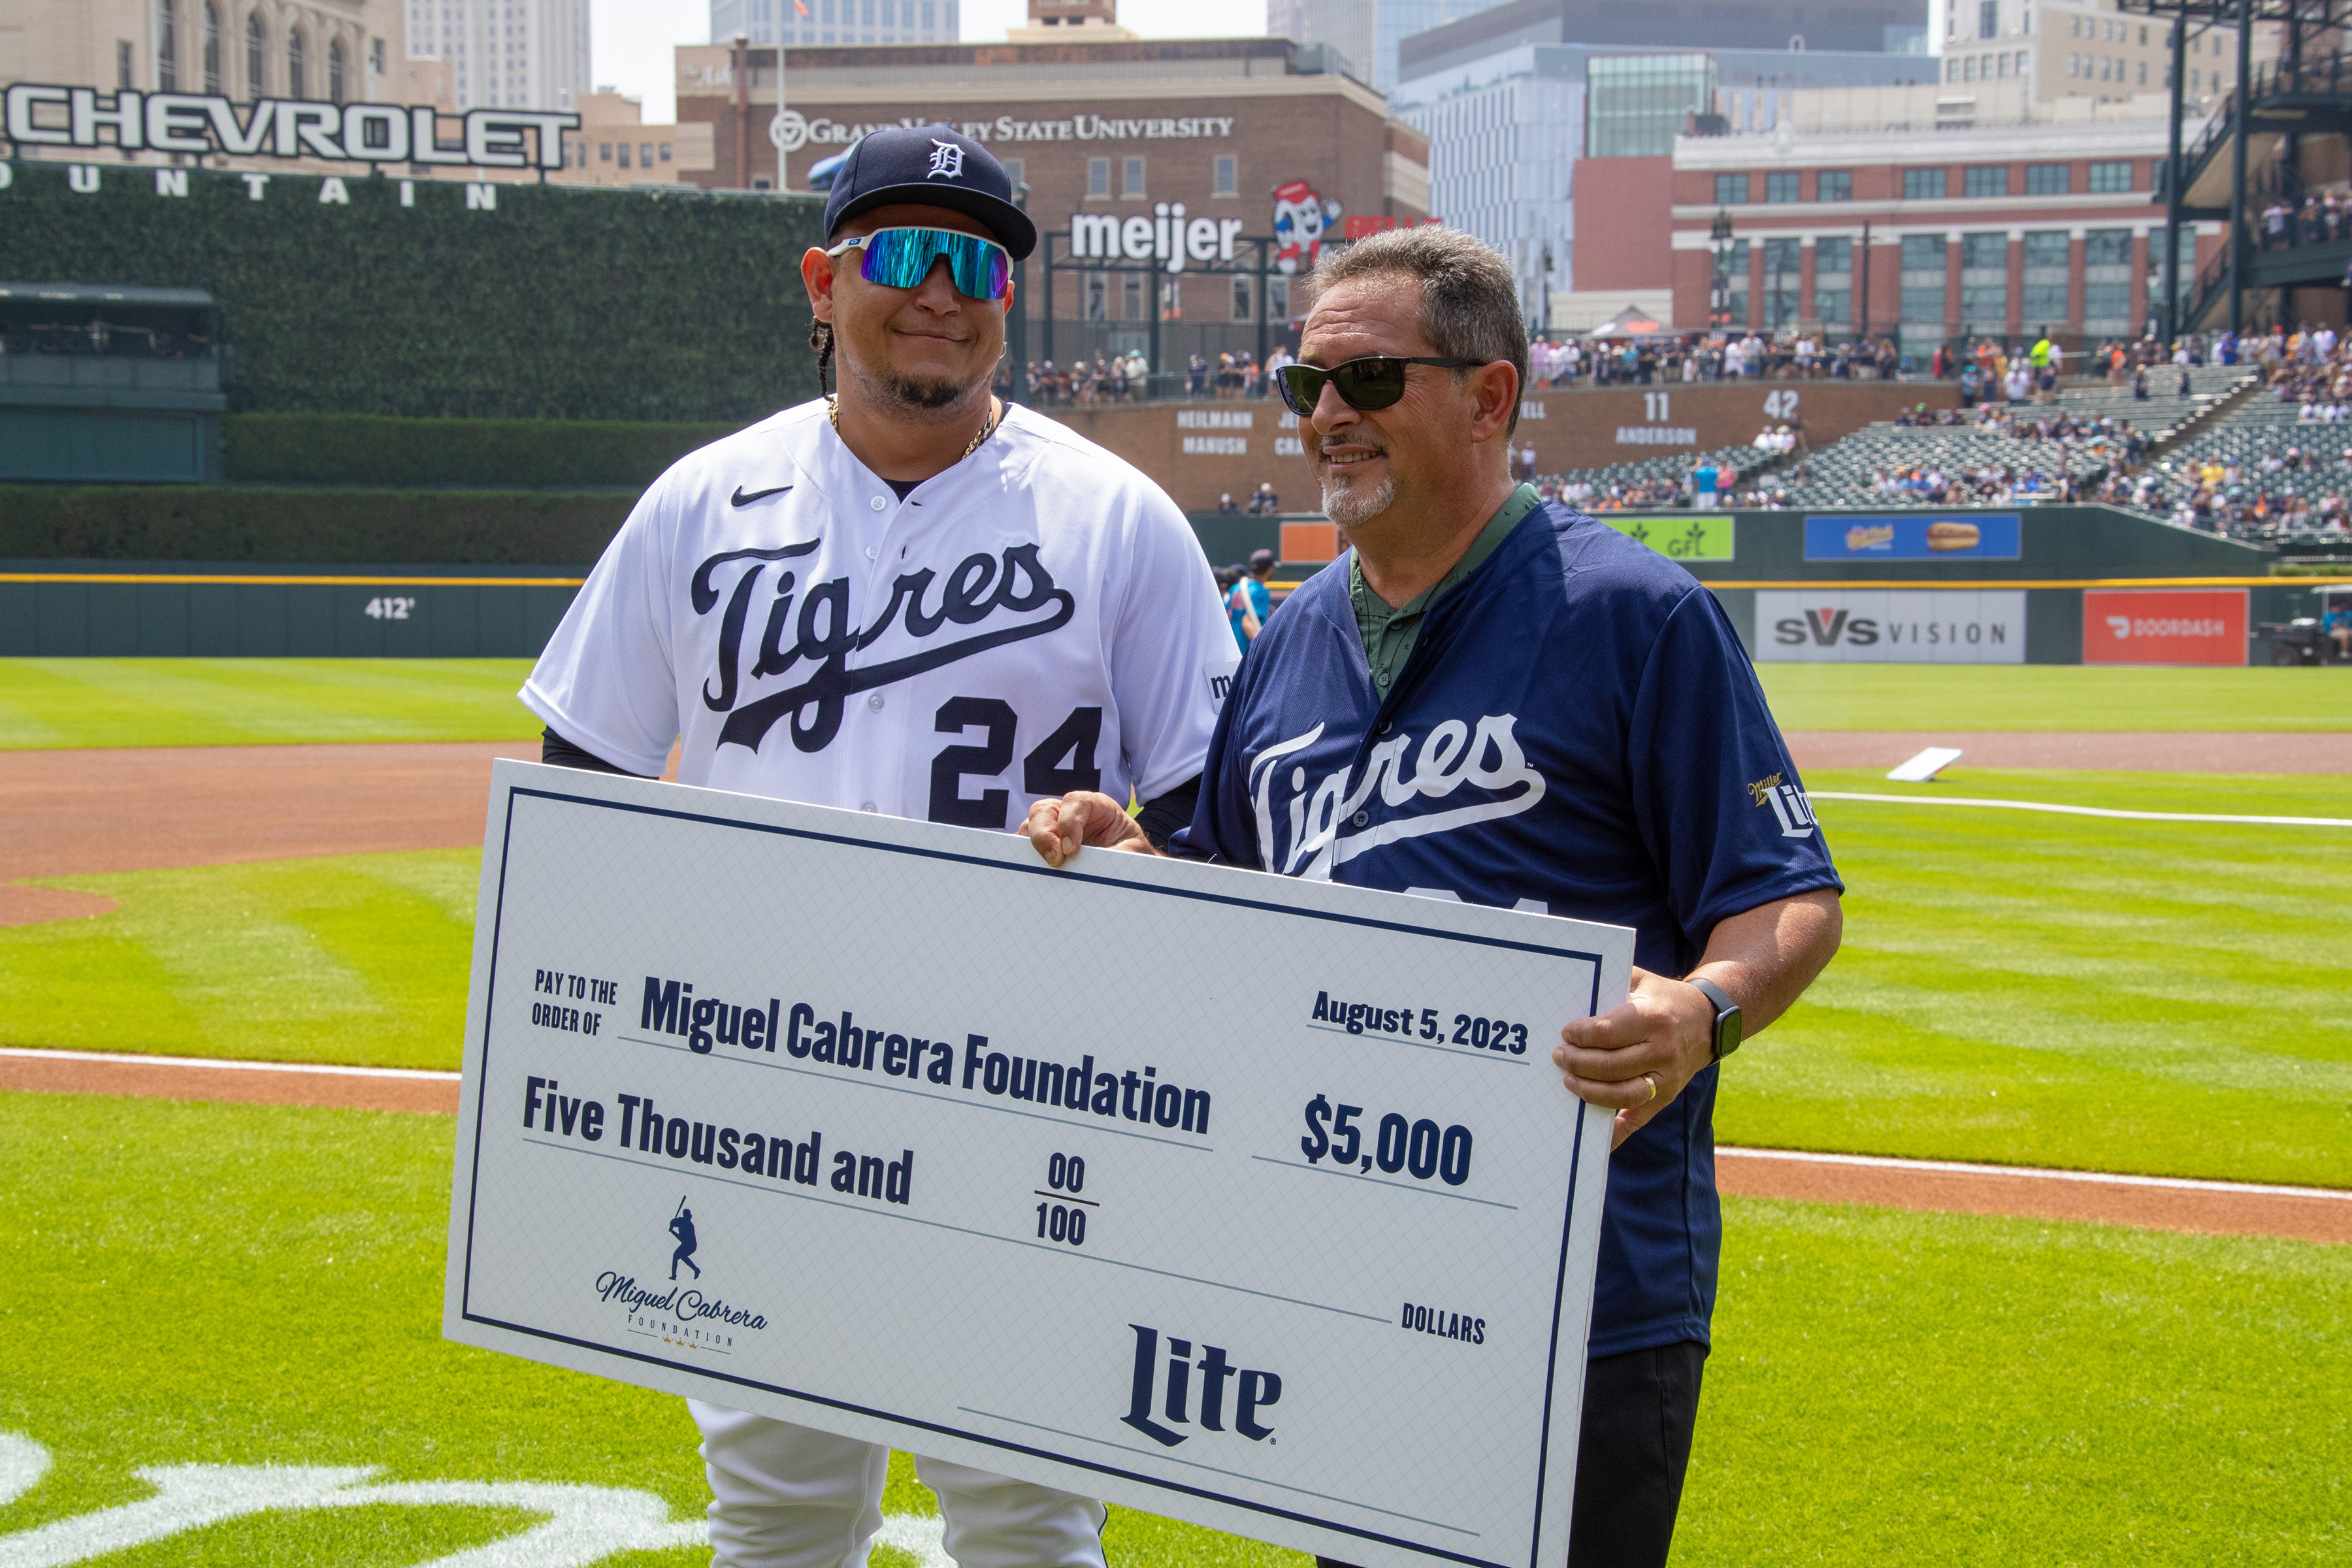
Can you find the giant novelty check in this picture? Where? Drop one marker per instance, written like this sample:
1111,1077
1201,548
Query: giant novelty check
1235,1198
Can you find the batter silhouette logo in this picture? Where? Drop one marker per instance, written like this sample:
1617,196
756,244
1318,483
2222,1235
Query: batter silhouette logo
679,1315
682,1227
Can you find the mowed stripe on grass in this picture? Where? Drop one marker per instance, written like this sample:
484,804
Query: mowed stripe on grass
51,703
2212,1208
1959,698
2155,998
109,702
250,1285
2171,998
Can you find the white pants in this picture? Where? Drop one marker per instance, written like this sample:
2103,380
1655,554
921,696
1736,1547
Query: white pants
787,1497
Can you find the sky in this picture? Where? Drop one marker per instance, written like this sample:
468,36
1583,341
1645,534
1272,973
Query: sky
631,41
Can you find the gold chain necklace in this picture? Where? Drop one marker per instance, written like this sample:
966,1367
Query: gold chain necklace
995,417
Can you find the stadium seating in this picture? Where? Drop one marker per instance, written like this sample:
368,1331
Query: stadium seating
1888,465
1640,482
2277,458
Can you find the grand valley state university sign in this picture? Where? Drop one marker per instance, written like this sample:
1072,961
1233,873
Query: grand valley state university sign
199,124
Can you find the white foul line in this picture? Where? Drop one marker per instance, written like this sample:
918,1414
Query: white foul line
2084,810
1793,1156
2031,1172
135,1059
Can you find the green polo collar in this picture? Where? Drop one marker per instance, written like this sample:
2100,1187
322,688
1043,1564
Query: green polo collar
1389,633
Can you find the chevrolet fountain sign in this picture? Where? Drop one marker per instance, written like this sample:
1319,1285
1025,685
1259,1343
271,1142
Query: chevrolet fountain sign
43,116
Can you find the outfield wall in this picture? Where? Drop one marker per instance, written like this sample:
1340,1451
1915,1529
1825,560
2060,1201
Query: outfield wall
2016,596
231,609
1757,564
1200,450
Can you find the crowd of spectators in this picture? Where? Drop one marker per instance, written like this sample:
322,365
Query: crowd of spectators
1263,503
1116,378
2262,474
2316,220
1671,358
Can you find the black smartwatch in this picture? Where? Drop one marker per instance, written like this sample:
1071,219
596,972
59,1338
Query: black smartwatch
1726,1016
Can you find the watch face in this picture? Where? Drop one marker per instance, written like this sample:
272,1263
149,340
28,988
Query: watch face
1726,1032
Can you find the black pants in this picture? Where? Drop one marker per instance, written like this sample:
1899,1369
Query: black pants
1631,1456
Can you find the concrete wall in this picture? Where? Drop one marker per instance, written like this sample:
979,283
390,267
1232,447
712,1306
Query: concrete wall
1198,450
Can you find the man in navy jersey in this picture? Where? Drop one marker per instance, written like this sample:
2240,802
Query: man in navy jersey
1497,700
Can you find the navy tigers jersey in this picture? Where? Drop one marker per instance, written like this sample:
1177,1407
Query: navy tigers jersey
1579,732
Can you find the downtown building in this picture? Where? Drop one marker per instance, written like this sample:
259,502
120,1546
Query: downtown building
836,21
1179,186
1905,212
504,54
1550,119
1367,35
336,52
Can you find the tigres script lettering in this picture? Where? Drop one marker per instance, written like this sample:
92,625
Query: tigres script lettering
824,635
1451,756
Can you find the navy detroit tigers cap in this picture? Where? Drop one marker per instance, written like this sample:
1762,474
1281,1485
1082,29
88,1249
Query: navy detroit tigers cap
930,165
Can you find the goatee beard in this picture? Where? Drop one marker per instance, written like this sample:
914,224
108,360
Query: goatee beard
923,400
1351,506
921,396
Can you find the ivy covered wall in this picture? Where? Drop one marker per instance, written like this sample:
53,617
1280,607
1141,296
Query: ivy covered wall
558,303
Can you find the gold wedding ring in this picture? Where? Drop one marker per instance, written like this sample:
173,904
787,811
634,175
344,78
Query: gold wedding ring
1653,1087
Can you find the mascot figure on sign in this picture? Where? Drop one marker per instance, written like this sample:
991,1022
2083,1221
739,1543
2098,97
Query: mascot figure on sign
1301,220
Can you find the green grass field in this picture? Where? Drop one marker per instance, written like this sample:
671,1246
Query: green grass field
55,702
2167,998
246,1285
1957,699
358,958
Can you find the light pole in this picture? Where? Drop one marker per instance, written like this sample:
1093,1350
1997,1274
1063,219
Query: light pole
1718,298
1016,334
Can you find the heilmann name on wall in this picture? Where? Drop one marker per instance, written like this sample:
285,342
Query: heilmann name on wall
1183,152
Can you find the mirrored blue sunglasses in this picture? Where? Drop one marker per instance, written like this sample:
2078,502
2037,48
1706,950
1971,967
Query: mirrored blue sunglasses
902,257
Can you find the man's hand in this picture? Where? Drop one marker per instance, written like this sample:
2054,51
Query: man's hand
1635,1057
1060,827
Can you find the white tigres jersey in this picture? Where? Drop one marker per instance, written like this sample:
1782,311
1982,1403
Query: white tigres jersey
1037,619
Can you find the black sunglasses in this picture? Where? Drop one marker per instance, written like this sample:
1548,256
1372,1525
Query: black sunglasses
1377,382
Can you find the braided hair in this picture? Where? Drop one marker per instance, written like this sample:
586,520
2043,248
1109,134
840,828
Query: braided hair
821,339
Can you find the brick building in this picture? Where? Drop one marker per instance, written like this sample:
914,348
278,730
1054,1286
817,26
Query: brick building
1239,146
1992,215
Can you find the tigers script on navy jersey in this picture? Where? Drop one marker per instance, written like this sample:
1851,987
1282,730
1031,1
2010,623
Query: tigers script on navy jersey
1578,733
1037,618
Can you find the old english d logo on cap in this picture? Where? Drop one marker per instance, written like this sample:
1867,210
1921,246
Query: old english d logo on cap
947,159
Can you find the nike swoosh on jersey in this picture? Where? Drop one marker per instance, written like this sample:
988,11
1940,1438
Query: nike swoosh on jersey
739,499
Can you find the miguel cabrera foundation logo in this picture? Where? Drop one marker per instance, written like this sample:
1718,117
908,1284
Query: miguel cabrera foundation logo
682,1316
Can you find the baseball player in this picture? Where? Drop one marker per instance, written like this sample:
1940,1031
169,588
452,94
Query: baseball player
907,599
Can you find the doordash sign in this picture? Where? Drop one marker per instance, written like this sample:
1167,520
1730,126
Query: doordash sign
2164,625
